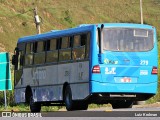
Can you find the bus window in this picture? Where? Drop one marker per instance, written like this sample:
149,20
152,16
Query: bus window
53,44
29,48
76,41
52,51
65,51
39,56
52,56
40,46
88,45
65,55
28,59
79,44
65,43
128,39
78,53
83,39
20,60
29,54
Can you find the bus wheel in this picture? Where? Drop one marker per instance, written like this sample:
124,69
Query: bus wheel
34,107
82,105
121,104
85,107
28,94
70,104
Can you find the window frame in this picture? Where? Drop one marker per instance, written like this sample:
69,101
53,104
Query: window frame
31,53
39,52
86,44
48,50
58,49
68,47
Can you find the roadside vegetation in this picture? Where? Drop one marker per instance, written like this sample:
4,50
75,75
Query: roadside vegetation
16,20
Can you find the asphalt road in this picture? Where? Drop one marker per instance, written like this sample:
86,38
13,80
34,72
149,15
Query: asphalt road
141,112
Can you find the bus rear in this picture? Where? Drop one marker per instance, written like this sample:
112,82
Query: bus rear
125,68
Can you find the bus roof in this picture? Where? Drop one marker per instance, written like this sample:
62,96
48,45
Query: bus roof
79,29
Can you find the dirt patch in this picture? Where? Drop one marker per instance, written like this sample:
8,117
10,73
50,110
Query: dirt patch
2,48
148,105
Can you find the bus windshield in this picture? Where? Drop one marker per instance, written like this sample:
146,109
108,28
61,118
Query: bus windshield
127,39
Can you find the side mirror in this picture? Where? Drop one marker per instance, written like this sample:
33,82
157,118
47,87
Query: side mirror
13,59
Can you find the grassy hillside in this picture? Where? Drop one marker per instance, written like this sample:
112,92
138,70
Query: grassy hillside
16,16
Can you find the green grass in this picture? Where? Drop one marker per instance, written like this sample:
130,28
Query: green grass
80,12
24,107
92,106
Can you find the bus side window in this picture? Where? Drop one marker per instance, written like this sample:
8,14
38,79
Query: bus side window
53,44
29,54
52,51
65,43
65,49
40,46
87,45
29,48
79,44
76,41
39,55
20,60
19,56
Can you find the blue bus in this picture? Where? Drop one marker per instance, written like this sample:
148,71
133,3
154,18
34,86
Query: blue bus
112,63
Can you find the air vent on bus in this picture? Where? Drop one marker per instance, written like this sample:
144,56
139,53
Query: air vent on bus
154,70
96,69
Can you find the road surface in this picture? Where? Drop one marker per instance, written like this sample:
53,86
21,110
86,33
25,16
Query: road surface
141,112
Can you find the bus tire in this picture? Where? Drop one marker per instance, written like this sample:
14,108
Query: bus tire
82,105
34,107
122,104
28,94
70,104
